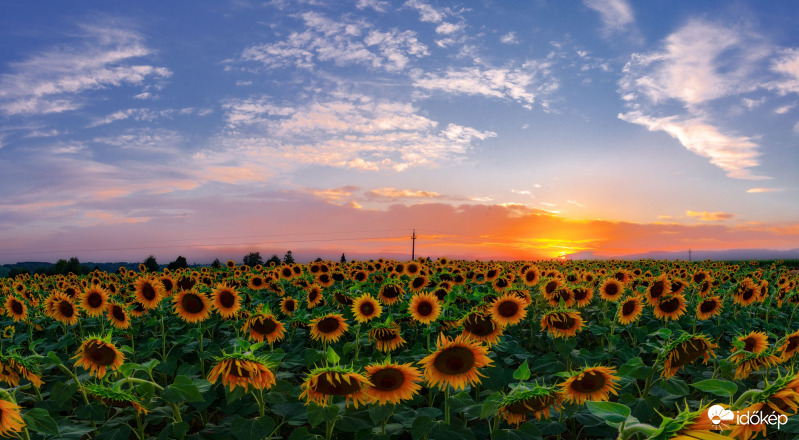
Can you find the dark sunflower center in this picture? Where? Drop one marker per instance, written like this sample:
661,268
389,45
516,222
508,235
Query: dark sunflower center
562,322
101,354
675,287
699,277
424,308
16,307
367,309
612,289
257,282
590,382
70,292
418,282
454,360
508,309
657,289
264,326
192,303
748,293
94,300
290,305
324,278
628,308
360,276
391,291
580,294
65,309
531,404
118,313
501,282
551,286
388,379
334,388
669,305
479,325
561,294
708,306
186,283
749,344
312,295
530,276
793,342
237,371
148,292
386,335
168,285
688,352
328,325
227,299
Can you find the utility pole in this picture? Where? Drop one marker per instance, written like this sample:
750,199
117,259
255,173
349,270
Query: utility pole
413,245
689,255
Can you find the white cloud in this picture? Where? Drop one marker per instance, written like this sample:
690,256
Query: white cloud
788,66
784,109
51,81
520,85
377,5
342,42
448,28
509,38
349,131
427,13
615,14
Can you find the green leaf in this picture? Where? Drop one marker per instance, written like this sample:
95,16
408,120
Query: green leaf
251,429
491,405
675,387
523,372
332,356
609,411
302,434
182,389
717,387
119,432
421,427
318,414
39,420
378,413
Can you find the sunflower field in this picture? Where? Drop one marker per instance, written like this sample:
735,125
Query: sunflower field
404,350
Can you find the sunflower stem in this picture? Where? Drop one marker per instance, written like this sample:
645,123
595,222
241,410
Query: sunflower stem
446,404
163,340
259,397
638,428
202,358
743,398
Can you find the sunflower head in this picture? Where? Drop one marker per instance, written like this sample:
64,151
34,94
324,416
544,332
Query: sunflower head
264,326
590,383
192,305
708,308
11,421
424,307
386,336
13,367
682,351
562,323
455,363
243,370
149,292
365,308
524,400
324,383
670,307
630,310
98,355
391,292
611,289
392,382
480,327
328,328
508,309
746,363
226,300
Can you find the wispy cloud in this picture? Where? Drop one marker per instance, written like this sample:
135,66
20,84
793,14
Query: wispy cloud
515,84
615,14
509,38
391,193
699,64
52,81
709,216
342,42
763,190
427,13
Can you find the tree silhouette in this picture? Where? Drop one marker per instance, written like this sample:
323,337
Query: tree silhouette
253,259
288,258
343,258
273,261
179,263
149,263
216,264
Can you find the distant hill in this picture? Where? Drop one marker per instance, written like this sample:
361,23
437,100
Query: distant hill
698,255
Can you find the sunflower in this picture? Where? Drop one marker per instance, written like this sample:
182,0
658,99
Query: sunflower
16,309
455,363
192,306
745,364
390,293
746,293
657,288
288,306
8,332
523,400
365,308
754,342
328,328
591,383
708,308
417,284
118,316
114,397
63,310
94,300
508,309
10,419
481,328
324,383
531,276
13,366
324,279
230,264
630,310
684,350
264,326
98,354
226,300
314,295
562,323
583,295
550,286
702,424
781,397
149,292
242,370
790,346
670,307
392,382
424,308
611,289
387,337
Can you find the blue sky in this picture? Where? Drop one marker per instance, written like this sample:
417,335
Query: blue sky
158,127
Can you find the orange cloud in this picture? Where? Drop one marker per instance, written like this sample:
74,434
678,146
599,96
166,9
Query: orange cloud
710,216
394,193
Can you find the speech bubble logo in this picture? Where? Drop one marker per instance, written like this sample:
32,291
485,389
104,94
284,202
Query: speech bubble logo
718,414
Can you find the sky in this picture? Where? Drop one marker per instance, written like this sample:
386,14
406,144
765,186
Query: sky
496,129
